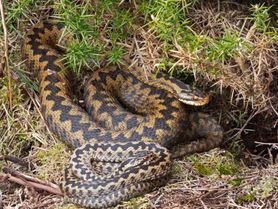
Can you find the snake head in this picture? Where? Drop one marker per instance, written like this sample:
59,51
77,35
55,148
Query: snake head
185,93
193,96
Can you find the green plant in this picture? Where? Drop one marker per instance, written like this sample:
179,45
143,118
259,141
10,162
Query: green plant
116,54
81,54
226,47
260,16
120,22
17,9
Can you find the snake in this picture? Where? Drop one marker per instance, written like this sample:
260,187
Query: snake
132,126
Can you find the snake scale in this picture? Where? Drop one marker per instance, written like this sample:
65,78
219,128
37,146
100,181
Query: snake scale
133,125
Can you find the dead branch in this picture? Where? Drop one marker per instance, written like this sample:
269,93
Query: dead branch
25,180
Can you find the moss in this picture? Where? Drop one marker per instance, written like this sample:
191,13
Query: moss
227,168
52,161
236,181
203,169
249,197
68,206
265,188
54,153
136,203
221,165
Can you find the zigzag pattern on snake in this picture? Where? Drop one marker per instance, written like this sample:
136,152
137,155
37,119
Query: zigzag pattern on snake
130,123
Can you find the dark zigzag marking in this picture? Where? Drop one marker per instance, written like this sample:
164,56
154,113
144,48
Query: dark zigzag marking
94,185
168,113
76,123
154,91
61,132
113,74
111,186
126,75
103,76
98,96
52,79
160,123
42,51
168,141
34,41
150,132
105,108
132,122
120,137
54,89
136,136
116,119
179,83
48,25
50,59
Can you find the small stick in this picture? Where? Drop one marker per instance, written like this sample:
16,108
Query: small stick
43,204
29,178
25,180
18,161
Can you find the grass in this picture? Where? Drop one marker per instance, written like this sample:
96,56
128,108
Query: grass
228,48
17,10
88,48
261,17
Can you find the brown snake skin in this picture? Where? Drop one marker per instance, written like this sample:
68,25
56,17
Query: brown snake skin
129,121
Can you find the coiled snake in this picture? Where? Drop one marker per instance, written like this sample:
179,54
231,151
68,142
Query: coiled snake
130,124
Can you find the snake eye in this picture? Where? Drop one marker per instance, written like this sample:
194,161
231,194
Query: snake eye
146,158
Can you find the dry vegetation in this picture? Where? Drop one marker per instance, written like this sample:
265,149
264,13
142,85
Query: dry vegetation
226,47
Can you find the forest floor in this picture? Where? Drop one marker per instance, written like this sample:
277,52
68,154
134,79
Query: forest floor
227,48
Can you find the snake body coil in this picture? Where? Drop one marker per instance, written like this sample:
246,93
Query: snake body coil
130,124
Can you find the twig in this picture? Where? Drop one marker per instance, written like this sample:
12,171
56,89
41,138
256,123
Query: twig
252,115
23,179
141,57
29,178
264,143
44,204
18,161
6,54
273,108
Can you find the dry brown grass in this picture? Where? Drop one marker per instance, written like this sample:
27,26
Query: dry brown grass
248,75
